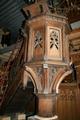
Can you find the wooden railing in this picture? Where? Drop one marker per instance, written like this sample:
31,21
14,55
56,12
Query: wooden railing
8,75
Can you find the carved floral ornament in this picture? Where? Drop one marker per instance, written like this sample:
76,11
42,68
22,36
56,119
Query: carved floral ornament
52,72
38,40
67,95
38,70
54,38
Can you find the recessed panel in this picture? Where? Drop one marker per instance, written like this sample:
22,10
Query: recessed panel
54,43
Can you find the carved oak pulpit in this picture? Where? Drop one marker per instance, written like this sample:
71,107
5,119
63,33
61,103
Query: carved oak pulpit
46,56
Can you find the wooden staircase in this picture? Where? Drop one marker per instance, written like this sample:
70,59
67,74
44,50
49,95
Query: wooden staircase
9,85
15,98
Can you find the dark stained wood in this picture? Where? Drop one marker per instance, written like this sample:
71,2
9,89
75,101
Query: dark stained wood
68,102
73,16
23,100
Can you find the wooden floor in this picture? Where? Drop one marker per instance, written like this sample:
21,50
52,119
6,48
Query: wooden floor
68,102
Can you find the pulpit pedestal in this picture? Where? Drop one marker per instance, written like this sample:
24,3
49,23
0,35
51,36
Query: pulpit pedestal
46,107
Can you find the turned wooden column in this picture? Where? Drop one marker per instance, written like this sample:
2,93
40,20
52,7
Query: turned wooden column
46,105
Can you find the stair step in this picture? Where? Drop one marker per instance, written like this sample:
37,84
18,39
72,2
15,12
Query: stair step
21,117
5,118
16,116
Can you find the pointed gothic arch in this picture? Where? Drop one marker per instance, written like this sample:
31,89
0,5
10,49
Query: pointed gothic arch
58,79
29,73
61,79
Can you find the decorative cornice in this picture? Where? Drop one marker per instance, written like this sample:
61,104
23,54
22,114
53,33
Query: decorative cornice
55,17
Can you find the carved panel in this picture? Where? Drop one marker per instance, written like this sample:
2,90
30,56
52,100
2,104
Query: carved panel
39,72
38,40
67,95
38,43
52,73
68,102
54,43
54,40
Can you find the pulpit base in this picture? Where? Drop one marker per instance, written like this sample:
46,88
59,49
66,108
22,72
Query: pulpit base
43,118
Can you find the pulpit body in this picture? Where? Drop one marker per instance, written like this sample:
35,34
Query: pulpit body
46,55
